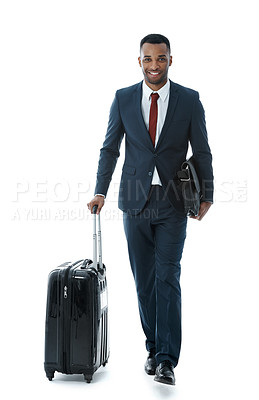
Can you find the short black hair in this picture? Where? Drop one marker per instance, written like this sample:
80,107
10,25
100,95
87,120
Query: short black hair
155,38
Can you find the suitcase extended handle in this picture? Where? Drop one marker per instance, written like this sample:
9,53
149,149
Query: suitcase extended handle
98,265
95,208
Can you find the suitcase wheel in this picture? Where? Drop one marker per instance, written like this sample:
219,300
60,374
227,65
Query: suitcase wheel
105,362
88,378
50,375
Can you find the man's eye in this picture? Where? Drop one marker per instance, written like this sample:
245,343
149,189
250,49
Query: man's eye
162,59
147,59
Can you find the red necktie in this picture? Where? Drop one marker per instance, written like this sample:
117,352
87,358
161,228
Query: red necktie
153,117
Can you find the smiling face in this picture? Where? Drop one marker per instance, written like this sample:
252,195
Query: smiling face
155,60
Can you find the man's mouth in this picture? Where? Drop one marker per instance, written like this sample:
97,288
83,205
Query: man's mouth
153,73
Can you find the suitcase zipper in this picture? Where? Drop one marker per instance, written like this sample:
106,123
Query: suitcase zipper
67,318
66,323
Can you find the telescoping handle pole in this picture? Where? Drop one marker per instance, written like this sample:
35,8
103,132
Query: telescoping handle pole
96,248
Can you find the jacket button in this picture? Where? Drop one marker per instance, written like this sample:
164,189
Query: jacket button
150,173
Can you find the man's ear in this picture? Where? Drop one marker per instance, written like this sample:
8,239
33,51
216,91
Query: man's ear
139,61
170,61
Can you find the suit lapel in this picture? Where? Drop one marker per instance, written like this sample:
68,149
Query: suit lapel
169,115
143,131
170,112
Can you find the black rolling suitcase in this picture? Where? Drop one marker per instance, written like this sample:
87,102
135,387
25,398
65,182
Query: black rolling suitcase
76,334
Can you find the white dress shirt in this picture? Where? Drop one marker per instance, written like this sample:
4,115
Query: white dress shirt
162,105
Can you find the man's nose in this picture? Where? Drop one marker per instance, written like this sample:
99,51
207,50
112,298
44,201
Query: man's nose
154,65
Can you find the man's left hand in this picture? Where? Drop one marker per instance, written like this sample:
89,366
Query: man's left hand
204,208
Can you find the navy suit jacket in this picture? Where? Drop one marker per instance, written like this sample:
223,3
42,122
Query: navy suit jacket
184,124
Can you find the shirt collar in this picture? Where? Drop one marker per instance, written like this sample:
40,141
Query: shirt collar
163,92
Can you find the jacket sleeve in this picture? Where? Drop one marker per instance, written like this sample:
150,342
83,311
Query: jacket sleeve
110,150
201,149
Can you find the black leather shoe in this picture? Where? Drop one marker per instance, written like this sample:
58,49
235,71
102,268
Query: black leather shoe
150,365
165,373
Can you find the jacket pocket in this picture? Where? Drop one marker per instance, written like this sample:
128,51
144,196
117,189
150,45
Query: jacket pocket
129,170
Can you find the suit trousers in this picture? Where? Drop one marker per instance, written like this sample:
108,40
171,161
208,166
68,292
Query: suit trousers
155,244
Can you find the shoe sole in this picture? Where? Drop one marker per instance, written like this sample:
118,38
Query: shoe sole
150,372
164,381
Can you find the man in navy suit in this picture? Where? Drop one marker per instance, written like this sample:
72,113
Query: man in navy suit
158,119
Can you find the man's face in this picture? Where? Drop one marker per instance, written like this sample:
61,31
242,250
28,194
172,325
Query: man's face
155,60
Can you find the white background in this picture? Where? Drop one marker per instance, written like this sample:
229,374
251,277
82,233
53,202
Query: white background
61,63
